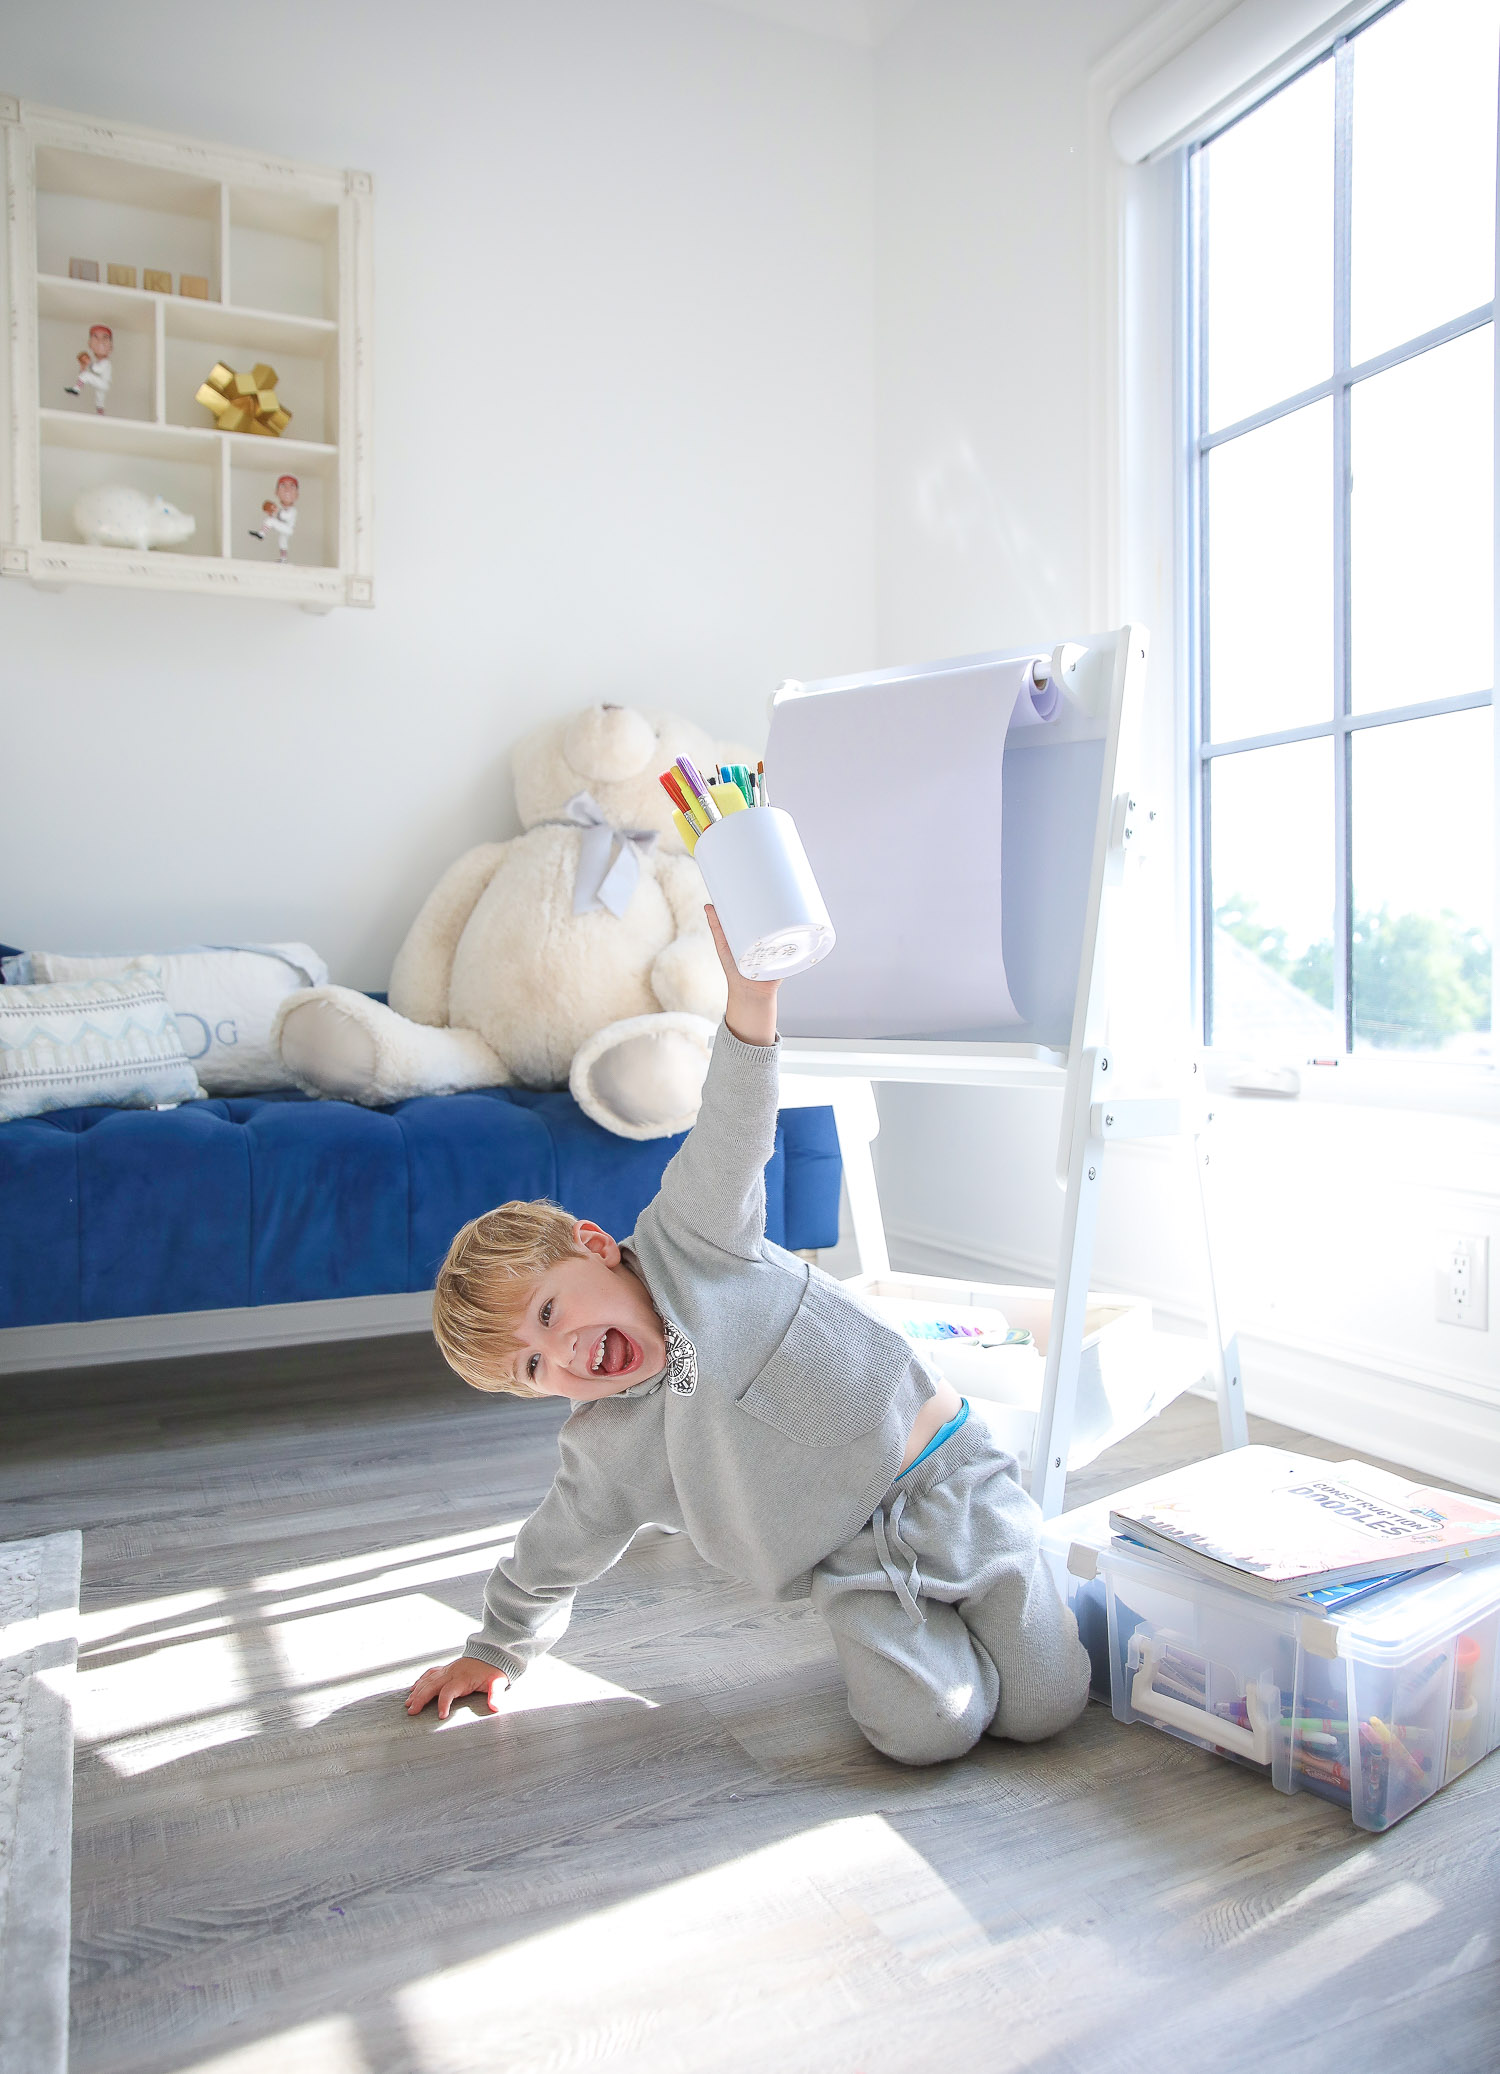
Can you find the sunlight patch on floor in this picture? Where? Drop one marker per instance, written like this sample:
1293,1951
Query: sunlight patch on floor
153,1691
477,1550
177,1695
652,1974
1326,1949
438,1571
331,2045
37,1631
118,1623
1318,1893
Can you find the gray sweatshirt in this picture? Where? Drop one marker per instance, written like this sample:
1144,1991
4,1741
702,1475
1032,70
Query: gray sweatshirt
777,1425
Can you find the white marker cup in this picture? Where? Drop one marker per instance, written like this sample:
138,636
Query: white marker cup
767,899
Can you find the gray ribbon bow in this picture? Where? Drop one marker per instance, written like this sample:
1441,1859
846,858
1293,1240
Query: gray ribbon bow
609,859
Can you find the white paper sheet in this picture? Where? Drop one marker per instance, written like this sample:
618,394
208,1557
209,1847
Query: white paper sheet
896,790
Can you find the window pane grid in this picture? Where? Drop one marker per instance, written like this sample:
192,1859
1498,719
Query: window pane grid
1343,167
1335,976
1410,349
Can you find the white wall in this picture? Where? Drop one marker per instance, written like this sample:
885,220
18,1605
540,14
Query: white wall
697,335
622,449
984,305
995,273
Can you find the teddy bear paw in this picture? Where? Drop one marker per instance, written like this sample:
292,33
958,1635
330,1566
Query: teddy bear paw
339,1044
643,1077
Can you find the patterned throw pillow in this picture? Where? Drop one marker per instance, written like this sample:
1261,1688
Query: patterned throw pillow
224,996
111,1041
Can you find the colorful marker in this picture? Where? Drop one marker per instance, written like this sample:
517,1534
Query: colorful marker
698,789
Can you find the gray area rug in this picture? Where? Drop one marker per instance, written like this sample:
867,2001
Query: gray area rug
38,1653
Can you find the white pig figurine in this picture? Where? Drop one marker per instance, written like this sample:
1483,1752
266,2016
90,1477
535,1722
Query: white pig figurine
118,516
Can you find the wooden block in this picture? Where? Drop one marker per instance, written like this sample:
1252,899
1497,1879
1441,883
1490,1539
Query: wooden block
158,283
83,269
193,284
121,276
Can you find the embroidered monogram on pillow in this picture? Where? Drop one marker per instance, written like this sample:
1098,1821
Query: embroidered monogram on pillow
224,997
108,1041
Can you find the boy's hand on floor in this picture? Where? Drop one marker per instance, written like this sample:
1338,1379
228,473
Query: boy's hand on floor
449,1682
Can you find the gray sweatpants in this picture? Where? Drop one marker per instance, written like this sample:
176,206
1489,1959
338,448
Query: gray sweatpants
946,1620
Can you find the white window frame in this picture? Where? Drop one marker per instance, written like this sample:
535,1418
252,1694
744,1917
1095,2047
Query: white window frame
1364,1075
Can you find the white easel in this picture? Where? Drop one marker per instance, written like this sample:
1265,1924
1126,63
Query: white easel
1103,679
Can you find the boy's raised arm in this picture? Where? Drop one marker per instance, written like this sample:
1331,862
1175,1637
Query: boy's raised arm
715,1183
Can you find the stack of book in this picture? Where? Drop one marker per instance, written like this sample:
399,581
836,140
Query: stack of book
1286,1526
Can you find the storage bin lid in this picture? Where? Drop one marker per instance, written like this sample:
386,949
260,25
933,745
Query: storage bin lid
1415,1616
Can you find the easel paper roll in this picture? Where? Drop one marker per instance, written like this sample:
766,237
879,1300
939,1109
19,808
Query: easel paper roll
899,785
767,899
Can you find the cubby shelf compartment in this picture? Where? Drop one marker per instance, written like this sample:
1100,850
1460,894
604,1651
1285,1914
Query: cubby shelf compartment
182,316
285,250
185,443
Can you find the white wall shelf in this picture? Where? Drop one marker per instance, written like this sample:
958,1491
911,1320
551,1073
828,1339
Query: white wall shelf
285,252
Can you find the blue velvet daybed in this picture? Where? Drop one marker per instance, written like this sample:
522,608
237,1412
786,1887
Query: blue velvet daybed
274,1199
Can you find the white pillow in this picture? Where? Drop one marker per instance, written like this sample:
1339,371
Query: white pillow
223,996
103,1040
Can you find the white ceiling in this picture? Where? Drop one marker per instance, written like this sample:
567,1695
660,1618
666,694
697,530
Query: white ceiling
865,22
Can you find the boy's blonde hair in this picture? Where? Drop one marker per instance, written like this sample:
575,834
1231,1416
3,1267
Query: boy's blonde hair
483,1285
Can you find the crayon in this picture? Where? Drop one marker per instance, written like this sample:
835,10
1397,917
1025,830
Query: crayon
1386,1739
1326,1770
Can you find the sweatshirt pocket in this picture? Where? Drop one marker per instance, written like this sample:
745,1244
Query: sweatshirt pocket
834,1374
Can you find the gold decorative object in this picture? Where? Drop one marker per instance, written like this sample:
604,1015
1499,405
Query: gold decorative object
83,269
121,276
158,283
245,403
193,284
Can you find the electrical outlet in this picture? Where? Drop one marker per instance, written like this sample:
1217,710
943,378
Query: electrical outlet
1463,1282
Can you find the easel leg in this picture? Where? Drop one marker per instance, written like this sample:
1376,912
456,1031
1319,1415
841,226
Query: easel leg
858,1122
1054,1425
1223,1354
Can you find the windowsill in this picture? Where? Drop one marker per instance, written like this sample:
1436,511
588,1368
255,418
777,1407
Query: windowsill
1460,1088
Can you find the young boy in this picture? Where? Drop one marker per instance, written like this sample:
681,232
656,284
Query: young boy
723,1386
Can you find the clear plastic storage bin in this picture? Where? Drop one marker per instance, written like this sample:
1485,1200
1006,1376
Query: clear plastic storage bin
1374,1705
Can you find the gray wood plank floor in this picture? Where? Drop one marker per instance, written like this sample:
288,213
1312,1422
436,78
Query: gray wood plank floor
671,1851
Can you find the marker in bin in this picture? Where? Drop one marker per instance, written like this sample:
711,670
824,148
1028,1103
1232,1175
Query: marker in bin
755,867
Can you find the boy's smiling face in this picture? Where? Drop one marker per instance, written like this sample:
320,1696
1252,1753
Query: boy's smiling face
588,1328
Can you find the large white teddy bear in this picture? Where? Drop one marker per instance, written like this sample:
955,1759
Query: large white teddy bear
573,955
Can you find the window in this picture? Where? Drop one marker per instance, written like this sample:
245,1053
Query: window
1341,521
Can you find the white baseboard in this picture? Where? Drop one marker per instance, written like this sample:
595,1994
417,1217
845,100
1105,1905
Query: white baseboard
27,1348
1438,1423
